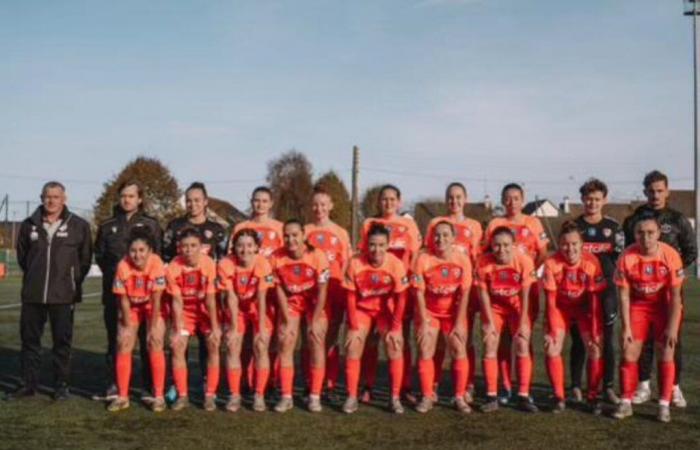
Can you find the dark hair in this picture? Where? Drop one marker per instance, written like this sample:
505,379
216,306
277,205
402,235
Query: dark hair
445,222
377,229
455,184
388,187
141,234
569,226
646,217
249,232
197,185
294,221
503,230
189,232
139,190
510,186
263,189
593,185
653,177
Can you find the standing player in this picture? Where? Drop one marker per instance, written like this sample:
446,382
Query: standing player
530,240
245,276
442,279
333,240
301,274
573,281
677,232
504,278
468,236
191,279
603,237
376,284
649,277
404,243
138,284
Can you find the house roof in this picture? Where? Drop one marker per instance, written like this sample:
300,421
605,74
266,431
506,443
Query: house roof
533,206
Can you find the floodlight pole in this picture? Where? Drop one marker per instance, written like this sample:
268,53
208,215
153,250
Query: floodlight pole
692,10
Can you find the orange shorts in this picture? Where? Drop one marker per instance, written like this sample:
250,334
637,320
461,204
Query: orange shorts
438,321
196,318
142,312
504,315
380,321
246,319
645,319
564,318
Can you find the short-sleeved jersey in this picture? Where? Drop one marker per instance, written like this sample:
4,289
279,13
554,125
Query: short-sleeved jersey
572,282
649,278
505,282
334,241
193,284
375,286
468,235
530,237
139,284
245,282
300,277
442,281
404,237
604,239
269,232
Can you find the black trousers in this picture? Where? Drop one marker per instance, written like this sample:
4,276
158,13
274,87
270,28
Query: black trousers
32,320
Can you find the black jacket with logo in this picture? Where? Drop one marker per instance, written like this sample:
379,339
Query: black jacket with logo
604,239
111,243
53,272
214,238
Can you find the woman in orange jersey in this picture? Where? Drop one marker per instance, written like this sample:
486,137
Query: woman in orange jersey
404,243
650,278
504,277
442,279
269,230
573,281
191,280
376,284
531,240
301,274
468,236
139,283
245,277
333,240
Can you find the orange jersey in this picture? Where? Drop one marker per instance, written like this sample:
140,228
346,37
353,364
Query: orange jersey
138,284
299,278
375,286
193,284
649,278
245,282
505,282
571,283
269,232
468,235
442,281
404,237
334,241
530,237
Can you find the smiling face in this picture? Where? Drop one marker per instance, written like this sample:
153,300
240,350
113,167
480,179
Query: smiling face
191,249
456,199
294,238
571,247
389,202
502,248
196,203
321,205
129,199
657,194
377,246
245,249
139,251
513,202
444,237
261,203
647,234
593,203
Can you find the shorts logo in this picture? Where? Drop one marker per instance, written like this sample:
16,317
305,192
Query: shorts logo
607,232
591,231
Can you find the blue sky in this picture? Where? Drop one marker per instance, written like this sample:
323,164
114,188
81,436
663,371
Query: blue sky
482,91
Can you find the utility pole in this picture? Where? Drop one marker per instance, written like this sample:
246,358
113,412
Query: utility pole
691,9
354,222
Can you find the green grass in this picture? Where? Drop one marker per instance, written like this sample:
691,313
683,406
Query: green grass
83,423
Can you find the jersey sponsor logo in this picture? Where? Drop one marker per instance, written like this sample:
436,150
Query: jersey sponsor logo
607,232
597,247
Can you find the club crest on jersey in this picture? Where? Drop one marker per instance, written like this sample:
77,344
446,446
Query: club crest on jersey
272,235
649,270
402,229
114,229
663,271
607,232
591,231
503,276
139,284
457,272
309,272
571,276
320,238
374,278
666,228
445,272
524,231
191,279
208,234
334,240
244,280
296,270
516,277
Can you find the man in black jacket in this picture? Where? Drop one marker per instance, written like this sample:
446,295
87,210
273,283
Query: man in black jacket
54,250
676,231
110,248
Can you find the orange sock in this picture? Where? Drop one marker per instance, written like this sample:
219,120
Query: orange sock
157,360
491,375
471,356
317,375
460,375
595,376
180,378
555,370
370,359
667,375
123,367
352,376
213,374
629,377
426,373
261,378
287,380
525,374
233,375
332,367
396,367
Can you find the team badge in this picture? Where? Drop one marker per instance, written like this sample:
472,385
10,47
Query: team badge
663,271
191,279
320,238
404,280
138,284
516,277
503,275
208,234
649,270
334,240
34,235
607,232
666,228
402,229
244,280
591,231
571,276
457,272
309,272
296,270
272,235
114,229
445,272
524,231
374,278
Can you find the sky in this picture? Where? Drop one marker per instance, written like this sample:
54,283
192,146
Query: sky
546,93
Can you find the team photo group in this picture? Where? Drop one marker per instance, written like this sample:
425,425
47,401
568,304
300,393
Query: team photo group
271,301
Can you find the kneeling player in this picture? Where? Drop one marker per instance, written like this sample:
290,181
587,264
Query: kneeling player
649,277
245,276
442,280
376,283
573,281
504,278
139,283
301,274
191,280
